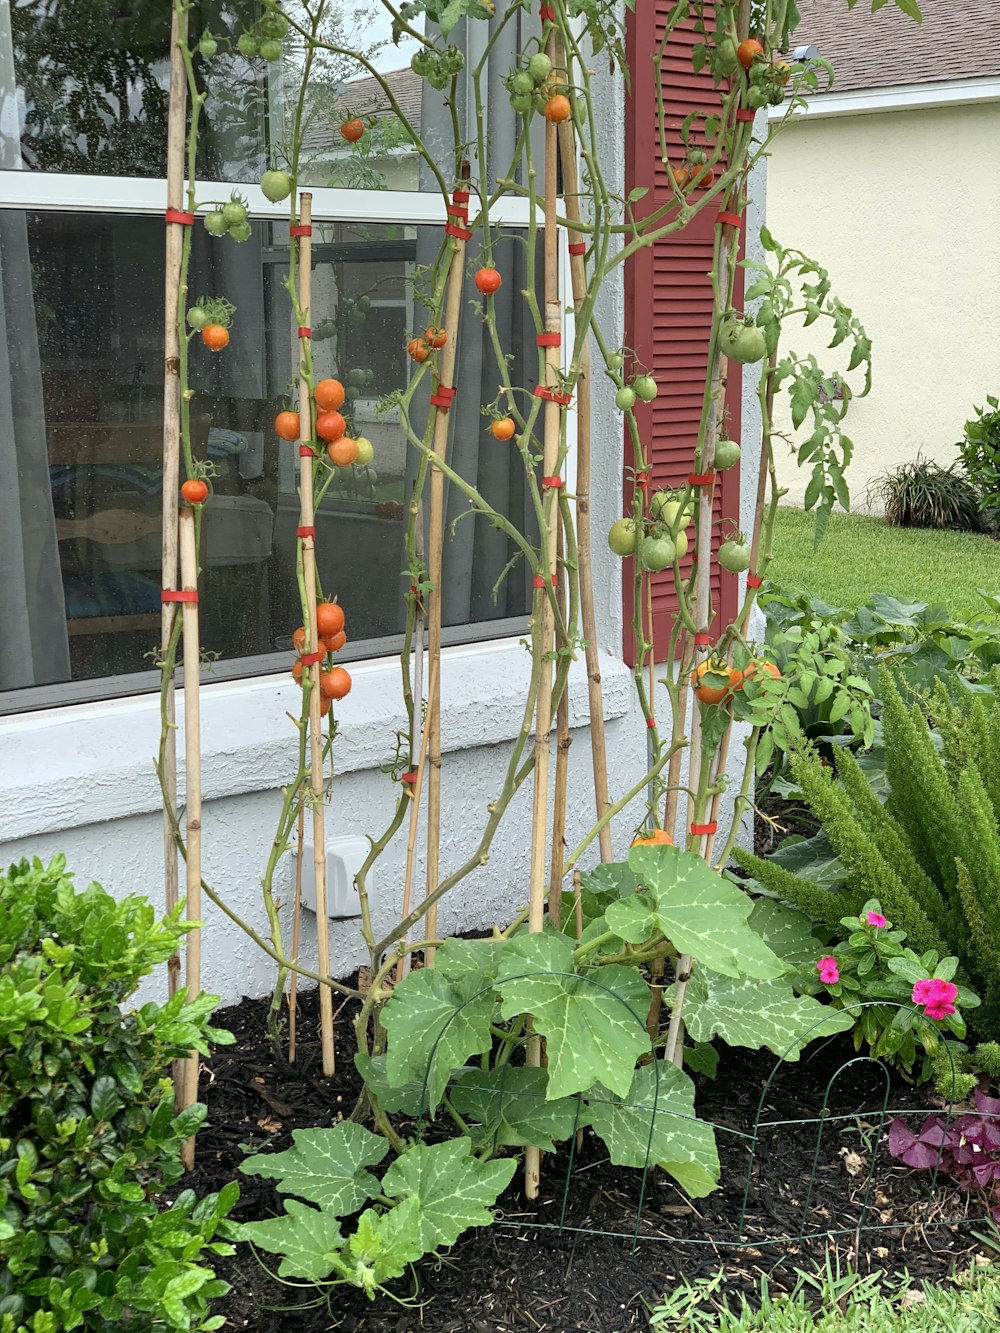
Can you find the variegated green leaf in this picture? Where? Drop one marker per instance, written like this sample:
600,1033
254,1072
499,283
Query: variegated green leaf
453,1189
744,1012
325,1166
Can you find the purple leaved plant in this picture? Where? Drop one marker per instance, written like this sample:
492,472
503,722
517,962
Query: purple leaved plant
967,1148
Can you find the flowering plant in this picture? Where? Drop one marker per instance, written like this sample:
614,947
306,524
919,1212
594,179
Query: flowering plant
966,1147
873,965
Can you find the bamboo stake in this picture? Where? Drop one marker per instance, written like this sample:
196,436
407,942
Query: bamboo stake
403,966
545,626
307,520
418,747
192,793
293,989
435,553
585,569
674,767
563,742
176,120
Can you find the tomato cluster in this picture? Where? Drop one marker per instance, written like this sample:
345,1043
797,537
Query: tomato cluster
334,681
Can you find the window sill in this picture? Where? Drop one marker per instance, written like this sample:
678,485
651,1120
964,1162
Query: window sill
88,763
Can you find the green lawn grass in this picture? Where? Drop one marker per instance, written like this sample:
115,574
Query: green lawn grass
860,556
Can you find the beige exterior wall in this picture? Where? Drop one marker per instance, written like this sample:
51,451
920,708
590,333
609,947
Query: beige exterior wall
903,209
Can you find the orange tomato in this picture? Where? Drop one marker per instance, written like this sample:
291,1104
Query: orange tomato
215,337
334,642
286,424
558,109
297,670
299,639
488,281
715,689
195,491
702,177
681,176
329,619
658,838
329,395
417,349
330,426
503,428
768,669
434,336
748,51
353,129
335,683
342,452
324,706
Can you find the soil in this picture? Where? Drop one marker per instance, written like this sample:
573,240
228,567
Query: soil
524,1273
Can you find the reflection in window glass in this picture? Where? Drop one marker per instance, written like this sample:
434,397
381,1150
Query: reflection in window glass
81,350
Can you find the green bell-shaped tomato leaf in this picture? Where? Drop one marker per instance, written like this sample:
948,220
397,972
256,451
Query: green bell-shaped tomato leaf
744,1012
325,1166
657,1123
453,1189
699,911
510,1107
594,1025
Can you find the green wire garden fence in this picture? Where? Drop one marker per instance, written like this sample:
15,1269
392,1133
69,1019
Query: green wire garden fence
741,1150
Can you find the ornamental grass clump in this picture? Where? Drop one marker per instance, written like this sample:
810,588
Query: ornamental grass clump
88,1134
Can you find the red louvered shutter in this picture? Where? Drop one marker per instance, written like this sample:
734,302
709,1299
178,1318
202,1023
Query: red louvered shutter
668,303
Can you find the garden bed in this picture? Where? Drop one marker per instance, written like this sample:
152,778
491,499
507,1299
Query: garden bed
525,1274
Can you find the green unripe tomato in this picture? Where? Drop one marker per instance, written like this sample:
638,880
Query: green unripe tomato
727,454
622,537
274,26
241,231
539,67
248,45
657,553
357,317
276,185
215,223
364,303
270,49
522,82
681,542
726,59
356,377
669,510
760,71
523,103
645,387
615,360
625,398
756,97
207,46
366,450
741,341
197,317
734,556
352,393
234,212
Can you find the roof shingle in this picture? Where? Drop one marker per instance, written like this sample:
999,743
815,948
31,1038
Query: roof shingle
956,40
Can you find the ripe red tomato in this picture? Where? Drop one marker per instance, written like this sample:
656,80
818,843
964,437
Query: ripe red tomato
334,642
299,639
417,349
286,424
335,683
329,395
488,281
329,619
330,426
435,336
748,51
353,129
503,428
195,491
215,337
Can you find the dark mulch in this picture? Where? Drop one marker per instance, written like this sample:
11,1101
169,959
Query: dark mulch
526,1275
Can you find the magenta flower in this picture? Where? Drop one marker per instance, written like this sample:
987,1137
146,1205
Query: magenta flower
829,972
877,920
937,997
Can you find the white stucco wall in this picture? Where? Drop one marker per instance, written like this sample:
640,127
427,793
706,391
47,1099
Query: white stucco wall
901,208
80,780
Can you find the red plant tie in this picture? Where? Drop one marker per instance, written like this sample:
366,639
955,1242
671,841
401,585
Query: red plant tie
553,483
411,776
651,723
169,595
300,230
704,830
310,659
459,232
439,400
305,532
701,479
553,395
734,219
754,581
447,391
306,451
549,340
179,216
702,640
578,247
745,117
304,331
547,12
461,196
539,581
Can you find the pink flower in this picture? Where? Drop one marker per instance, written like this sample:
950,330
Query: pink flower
937,997
877,920
829,972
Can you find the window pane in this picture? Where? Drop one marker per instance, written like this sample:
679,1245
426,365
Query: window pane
81,350
83,89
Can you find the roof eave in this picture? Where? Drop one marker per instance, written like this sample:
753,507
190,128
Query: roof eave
899,97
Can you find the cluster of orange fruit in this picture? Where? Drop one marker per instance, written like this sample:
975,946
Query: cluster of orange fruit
331,427
334,682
